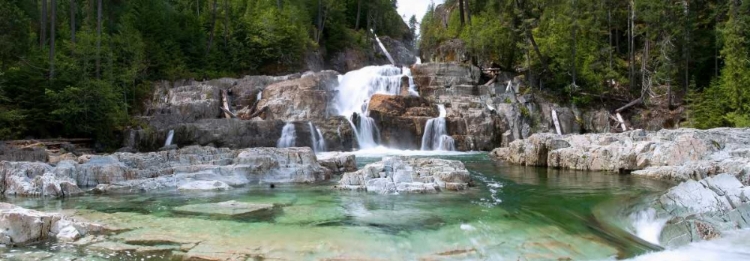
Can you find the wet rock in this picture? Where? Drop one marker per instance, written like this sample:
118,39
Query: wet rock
231,209
204,185
409,175
699,211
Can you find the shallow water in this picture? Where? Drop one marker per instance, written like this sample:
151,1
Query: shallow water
513,213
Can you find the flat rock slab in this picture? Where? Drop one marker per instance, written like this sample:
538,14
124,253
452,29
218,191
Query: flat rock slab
204,185
229,209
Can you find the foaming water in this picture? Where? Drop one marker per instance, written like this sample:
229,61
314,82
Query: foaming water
731,246
647,226
170,135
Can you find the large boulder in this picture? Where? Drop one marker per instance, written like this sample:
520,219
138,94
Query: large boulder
300,99
338,162
408,175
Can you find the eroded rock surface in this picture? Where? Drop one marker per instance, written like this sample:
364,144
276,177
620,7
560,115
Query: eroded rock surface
408,175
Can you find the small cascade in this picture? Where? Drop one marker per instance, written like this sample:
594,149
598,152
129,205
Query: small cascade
131,139
435,136
318,142
170,135
355,90
647,226
260,96
288,136
383,47
412,86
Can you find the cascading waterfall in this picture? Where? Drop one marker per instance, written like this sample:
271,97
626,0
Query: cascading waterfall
353,97
170,135
288,136
435,136
318,142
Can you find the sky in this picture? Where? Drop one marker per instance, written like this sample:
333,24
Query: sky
407,8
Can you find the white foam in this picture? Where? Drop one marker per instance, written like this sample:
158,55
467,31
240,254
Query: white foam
732,246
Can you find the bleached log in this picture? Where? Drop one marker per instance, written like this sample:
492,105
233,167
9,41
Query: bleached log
622,122
557,122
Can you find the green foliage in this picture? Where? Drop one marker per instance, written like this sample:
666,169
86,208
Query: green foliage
100,79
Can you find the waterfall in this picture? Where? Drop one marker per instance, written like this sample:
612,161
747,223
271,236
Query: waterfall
435,136
260,96
288,136
170,135
353,98
318,142
412,86
383,47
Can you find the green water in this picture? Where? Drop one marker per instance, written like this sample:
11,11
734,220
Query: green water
513,213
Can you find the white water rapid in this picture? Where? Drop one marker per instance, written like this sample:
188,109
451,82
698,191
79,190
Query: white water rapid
318,142
170,135
355,90
288,136
435,135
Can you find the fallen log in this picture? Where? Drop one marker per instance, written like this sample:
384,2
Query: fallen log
557,122
225,103
631,104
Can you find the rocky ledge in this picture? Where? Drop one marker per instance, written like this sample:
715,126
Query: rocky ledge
713,167
189,168
676,155
408,175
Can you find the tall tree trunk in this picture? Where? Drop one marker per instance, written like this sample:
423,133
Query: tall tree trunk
359,11
226,21
320,21
278,3
213,24
530,38
43,25
631,44
687,44
52,26
609,29
461,10
573,46
98,37
73,21
468,12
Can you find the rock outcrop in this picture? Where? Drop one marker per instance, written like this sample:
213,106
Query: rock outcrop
667,154
338,162
301,99
408,175
188,168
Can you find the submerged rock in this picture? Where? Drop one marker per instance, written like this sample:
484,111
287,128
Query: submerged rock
408,175
232,209
204,185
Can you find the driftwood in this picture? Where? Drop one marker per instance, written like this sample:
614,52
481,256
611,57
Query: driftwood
492,81
557,122
225,103
258,112
228,113
622,122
